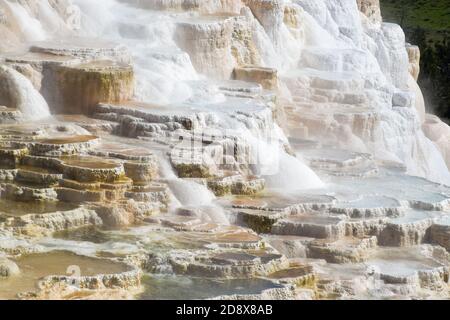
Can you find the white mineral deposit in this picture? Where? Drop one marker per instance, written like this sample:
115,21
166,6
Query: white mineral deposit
229,149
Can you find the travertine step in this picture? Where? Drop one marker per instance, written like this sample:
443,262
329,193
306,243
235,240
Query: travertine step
346,250
228,264
424,266
236,185
48,268
315,226
84,48
439,233
300,275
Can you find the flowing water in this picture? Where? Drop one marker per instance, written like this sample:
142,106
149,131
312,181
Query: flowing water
345,160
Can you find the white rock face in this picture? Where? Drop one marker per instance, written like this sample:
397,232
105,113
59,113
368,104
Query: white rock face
384,117
334,56
208,45
293,123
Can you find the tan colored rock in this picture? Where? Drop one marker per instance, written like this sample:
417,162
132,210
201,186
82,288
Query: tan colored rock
347,251
260,221
314,226
208,45
414,60
243,46
64,291
85,49
155,194
269,13
92,169
291,16
80,87
189,164
404,234
370,8
289,246
8,174
236,185
440,234
267,77
11,154
28,193
141,171
40,178
46,224
228,264
72,195
193,170
62,145
114,216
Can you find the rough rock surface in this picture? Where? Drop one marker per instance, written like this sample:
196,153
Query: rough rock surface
219,149
371,8
414,60
209,45
81,87
268,78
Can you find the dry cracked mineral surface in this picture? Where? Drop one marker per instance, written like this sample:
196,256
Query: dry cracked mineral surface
217,149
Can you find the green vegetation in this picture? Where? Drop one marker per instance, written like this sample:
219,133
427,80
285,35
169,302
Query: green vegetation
433,16
427,24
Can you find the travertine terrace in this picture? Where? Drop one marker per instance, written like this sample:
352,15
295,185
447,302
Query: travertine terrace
219,149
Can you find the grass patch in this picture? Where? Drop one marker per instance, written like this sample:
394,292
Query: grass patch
431,15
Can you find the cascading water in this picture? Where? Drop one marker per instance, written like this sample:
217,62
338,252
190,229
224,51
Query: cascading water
337,47
293,175
165,73
192,194
186,192
162,69
210,181
28,26
18,92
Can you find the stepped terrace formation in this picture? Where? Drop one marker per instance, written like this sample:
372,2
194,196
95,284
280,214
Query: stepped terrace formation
220,149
